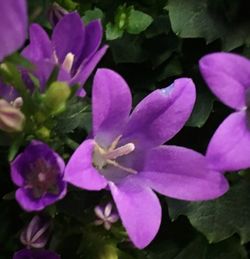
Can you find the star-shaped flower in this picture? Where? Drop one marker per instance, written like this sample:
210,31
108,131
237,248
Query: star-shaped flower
126,155
106,216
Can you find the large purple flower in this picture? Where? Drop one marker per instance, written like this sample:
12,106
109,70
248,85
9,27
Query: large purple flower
228,77
73,46
38,172
126,154
35,254
13,26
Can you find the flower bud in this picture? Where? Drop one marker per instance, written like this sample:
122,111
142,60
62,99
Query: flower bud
43,133
108,252
36,234
56,13
56,97
18,102
11,118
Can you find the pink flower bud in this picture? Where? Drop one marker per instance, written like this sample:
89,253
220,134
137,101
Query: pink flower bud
11,118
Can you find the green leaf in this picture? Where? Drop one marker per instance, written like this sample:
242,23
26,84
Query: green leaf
137,21
172,68
128,49
160,25
194,19
72,118
94,14
202,109
221,218
190,19
199,248
68,4
113,32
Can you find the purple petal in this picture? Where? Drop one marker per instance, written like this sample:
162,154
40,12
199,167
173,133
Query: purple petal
40,45
111,105
87,67
139,209
107,225
113,218
43,70
28,203
68,36
99,212
80,171
8,92
228,76
93,32
182,173
16,170
229,147
159,116
13,26
107,209
35,254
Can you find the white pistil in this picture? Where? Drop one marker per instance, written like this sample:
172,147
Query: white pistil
120,151
68,62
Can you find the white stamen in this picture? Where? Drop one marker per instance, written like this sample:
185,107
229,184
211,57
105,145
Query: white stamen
124,168
68,62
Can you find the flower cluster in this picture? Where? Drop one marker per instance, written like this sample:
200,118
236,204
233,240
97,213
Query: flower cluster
124,154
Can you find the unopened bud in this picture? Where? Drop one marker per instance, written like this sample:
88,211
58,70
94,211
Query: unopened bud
36,233
56,13
43,133
18,102
108,252
56,97
11,118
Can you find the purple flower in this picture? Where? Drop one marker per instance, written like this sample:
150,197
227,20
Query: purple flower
36,234
127,157
106,216
73,46
13,26
38,172
228,77
35,254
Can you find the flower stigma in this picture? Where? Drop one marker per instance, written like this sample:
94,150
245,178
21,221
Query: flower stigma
104,157
68,62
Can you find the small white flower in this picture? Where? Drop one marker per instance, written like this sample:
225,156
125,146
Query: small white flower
106,216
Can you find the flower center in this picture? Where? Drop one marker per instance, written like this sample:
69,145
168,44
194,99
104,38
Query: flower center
42,178
104,157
